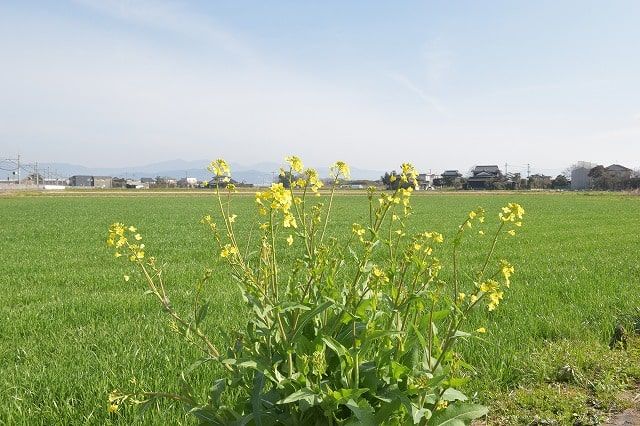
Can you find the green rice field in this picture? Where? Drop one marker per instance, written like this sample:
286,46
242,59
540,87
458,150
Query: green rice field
72,330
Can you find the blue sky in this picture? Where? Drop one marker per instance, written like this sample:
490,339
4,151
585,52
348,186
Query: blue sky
444,84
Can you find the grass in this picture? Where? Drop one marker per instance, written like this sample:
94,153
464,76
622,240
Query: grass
71,329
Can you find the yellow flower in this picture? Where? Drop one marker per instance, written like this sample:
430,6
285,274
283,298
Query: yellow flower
417,246
232,218
138,237
295,163
472,214
132,229
481,330
264,226
219,167
289,221
481,232
489,286
494,300
379,273
340,168
507,270
435,236
511,232
290,240
112,408
441,405
512,212
313,180
228,250
357,229
126,278
118,254
461,296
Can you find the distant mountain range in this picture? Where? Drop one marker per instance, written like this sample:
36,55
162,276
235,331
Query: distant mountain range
257,174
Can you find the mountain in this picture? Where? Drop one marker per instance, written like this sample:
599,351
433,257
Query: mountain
257,174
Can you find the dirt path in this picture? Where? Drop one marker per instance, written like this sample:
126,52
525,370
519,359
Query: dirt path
630,416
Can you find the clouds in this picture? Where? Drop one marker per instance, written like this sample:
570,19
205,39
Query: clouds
431,101
173,18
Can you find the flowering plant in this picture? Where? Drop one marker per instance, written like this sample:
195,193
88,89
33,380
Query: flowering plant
360,329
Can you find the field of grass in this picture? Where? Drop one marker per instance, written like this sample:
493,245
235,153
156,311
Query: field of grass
72,330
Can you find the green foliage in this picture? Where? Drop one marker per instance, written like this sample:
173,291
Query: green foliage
357,331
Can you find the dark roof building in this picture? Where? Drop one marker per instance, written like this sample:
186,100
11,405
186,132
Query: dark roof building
451,174
483,176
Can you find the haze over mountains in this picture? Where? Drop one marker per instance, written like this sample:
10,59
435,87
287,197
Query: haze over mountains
257,174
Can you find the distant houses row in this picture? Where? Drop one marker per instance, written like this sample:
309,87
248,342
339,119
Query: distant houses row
108,182
584,176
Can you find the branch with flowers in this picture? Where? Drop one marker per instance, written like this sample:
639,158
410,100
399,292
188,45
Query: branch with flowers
350,330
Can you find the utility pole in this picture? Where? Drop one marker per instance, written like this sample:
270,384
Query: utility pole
37,176
18,169
528,170
506,169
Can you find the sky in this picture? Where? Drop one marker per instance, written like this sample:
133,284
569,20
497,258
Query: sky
441,84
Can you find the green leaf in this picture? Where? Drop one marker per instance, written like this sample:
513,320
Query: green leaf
202,313
304,319
458,414
452,394
216,391
362,410
304,393
337,347
417,413
196,364
398,370
344,395
256,404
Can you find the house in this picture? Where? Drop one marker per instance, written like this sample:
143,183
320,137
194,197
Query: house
539,181
85,181
451,174
118,182
220,181
166,182
619,172
187,182
425,181
483,177
81,181
580,178
449,178
104,182
136,184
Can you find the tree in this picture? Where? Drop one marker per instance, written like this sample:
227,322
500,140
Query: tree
560,182
596,172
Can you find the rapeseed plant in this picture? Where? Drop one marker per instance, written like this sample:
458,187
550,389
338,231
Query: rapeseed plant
362,328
